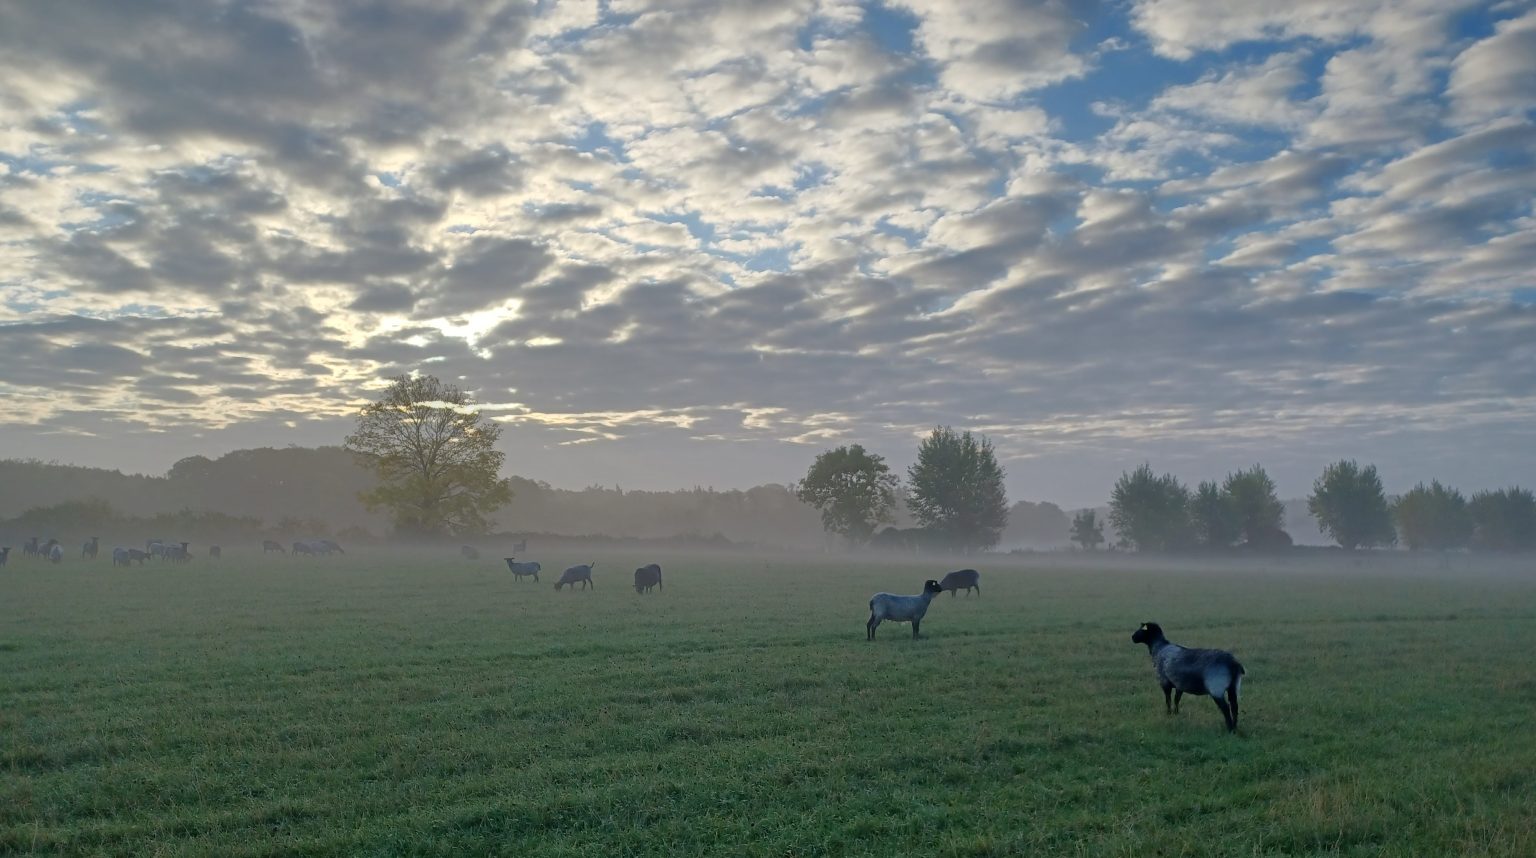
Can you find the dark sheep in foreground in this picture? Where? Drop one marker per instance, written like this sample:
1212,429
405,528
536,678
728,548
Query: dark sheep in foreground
901,609
1181,670
646,577
964,579
469,552
531,568
577,575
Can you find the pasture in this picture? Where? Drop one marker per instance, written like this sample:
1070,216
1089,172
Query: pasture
430,705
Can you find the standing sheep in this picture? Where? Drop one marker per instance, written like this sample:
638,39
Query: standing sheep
964,579
646,577
520,569
1195,671
89,549
30,549
5,554
577,575
901,609
56,552
119,556
268,546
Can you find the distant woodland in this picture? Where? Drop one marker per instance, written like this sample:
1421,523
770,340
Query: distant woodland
299,492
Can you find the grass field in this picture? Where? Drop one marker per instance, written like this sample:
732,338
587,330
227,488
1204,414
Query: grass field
421,706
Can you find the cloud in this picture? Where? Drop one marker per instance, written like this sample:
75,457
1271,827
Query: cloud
1097,232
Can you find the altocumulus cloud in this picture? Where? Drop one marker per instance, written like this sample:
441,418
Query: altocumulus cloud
686,242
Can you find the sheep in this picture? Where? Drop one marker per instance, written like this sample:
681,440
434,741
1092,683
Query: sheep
5,554
469,552
215,552
119,556
154,548
577,574
178,552
1196,671
268,546
136,554
55,552
964,579
302,547
646,577
30,549
901,609
325,546
89,549
521,569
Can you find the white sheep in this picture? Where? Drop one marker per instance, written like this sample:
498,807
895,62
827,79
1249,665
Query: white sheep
901,609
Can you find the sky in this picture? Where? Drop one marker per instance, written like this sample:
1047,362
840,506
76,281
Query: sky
684,243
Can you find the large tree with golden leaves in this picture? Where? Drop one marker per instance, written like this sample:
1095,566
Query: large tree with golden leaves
436,458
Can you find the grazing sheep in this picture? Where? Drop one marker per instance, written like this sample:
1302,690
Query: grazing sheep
964,579
89,549
56,552
325,546
215,551
136,554
268,546
1196,671
178,553
470,552
155,548
302,547
5,554
119,556
521,569
901,609
577,574
646,577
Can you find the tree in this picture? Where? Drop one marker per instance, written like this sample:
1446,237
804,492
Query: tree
1042,523
1504,520
1350,507
854,490
1151,513
957,489
435,458
1433,517
1213,516
1087,530
1256,508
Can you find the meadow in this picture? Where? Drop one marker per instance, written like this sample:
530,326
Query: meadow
418,704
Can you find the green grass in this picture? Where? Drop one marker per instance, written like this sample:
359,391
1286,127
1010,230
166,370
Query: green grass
369,705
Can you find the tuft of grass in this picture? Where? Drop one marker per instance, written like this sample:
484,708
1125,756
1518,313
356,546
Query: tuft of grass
414,705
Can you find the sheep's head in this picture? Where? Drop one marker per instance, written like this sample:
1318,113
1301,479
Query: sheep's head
1147,633
932,586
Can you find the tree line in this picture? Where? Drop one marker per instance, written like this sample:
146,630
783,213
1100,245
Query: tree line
1158,513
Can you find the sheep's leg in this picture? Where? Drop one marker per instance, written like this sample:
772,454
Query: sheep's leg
871,626
1226,713
954,591
1178,694
915,624
1168,698
1232,701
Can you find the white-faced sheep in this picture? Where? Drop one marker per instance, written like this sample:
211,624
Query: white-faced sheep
577,575
964,579
901,609
646,577
531,568
1195,671
56,552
